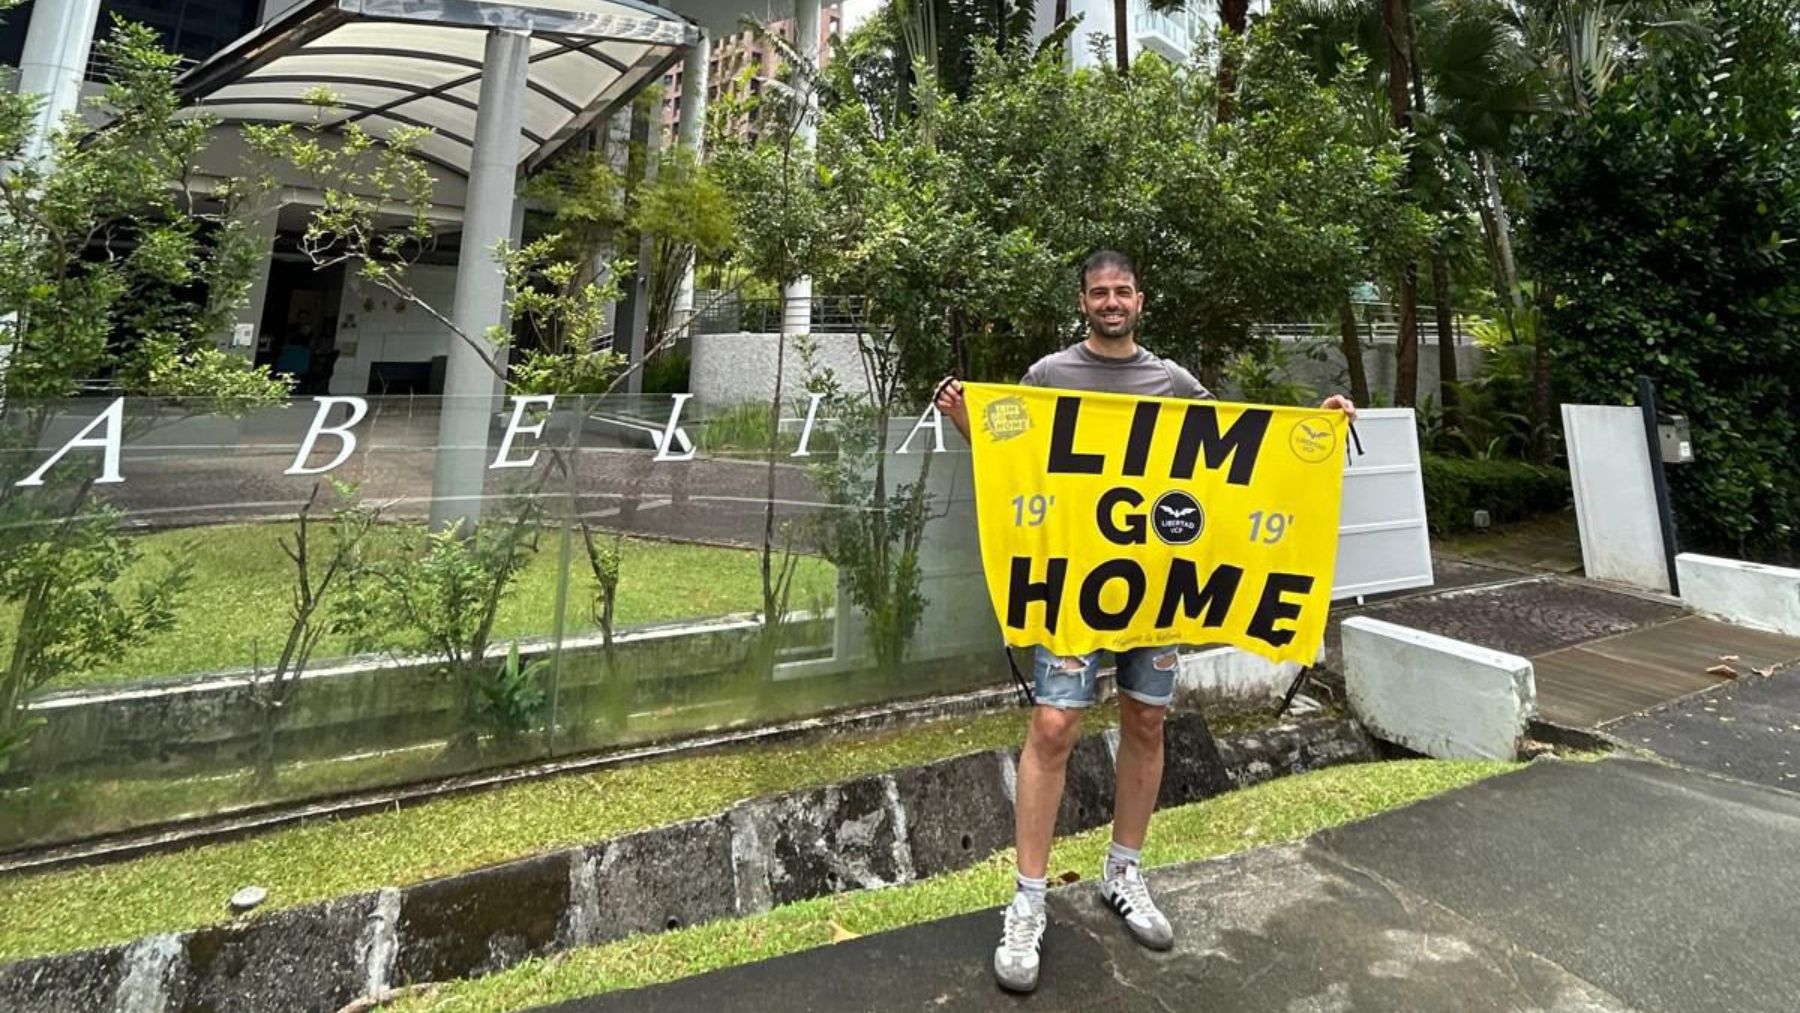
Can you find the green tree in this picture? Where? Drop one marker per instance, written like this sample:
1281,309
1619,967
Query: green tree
1232,223
101,249
1662,222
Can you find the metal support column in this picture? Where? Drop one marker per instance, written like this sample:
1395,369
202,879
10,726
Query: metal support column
243,336
471,386
1659,479
54,62
692,138
633,318
796,310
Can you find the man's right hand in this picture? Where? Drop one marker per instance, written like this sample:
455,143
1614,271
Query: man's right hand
950,402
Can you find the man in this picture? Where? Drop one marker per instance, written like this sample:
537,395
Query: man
1109,360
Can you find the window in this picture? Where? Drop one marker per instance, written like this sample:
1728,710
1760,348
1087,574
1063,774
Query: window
194,29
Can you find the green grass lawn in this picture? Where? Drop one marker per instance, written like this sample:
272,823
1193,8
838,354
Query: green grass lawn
1281,810
82,907
238,607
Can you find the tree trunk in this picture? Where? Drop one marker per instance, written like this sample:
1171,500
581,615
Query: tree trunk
1395,24
265,751
1353,356
1121,35
1509,271
1446,335
1540,396
1406,343
1234,15
1394,19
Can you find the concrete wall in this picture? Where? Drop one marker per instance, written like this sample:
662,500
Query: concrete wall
374,325
728,369
1615,500
213,724
1435,695
1749,594
1227,674
1330,374
870,832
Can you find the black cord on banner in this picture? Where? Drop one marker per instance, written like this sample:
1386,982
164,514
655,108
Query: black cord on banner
939,389
1030,699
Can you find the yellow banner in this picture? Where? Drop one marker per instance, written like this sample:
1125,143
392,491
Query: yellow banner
1111,522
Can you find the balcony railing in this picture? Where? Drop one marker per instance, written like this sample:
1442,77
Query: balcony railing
1163,34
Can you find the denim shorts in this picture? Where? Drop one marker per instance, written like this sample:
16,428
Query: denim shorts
1146,674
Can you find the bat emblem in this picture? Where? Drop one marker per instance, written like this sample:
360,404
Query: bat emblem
1315,433
1178,518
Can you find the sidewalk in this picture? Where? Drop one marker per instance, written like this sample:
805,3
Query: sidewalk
1608,886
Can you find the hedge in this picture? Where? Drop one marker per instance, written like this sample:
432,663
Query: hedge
1456,487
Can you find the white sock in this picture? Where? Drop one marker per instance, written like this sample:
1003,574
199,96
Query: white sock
1117,858
1032,889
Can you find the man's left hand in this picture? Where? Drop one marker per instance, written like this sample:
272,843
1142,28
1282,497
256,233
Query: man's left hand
1339,402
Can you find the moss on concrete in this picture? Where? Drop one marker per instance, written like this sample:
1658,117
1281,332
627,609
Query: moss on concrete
1281,810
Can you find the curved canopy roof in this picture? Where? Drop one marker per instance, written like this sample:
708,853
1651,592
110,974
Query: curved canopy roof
395,63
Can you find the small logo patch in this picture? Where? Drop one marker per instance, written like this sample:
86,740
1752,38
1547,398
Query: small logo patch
1006,418
1177,518
1313,439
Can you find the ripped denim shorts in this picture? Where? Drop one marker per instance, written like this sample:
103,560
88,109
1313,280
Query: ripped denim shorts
1146,674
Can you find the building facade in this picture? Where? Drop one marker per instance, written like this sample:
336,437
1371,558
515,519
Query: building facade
1178,36
195,29
739,63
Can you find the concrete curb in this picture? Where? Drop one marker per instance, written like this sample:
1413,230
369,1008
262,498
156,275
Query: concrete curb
1756,595
873,831
1437,695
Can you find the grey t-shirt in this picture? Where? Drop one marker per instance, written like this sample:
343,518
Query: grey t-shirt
1078,368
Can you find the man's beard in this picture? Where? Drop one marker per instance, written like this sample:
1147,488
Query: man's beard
1125,325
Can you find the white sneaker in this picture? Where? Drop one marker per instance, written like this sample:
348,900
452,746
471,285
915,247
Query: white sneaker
1129,895
1016,958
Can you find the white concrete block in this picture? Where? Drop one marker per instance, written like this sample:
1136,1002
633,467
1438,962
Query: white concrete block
1748,594
1228,674
1442,697
1615,496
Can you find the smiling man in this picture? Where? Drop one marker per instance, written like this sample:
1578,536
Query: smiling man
1108,360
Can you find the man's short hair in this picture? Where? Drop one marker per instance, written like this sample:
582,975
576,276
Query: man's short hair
1102,259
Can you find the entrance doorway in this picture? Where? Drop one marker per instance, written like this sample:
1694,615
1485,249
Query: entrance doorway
299,324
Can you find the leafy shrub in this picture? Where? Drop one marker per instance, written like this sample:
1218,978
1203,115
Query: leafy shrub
667,374
1265,374
510,696
1456,487
1662,228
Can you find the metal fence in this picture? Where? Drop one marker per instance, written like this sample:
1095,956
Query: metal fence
1377,323
724,313
730,314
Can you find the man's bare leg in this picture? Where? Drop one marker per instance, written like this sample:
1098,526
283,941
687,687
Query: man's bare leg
1139,769
1042,765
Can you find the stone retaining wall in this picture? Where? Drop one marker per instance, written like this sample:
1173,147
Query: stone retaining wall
198,726
873,831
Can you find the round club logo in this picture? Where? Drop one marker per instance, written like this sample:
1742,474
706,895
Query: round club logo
1313,439
1007,418
1177,518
